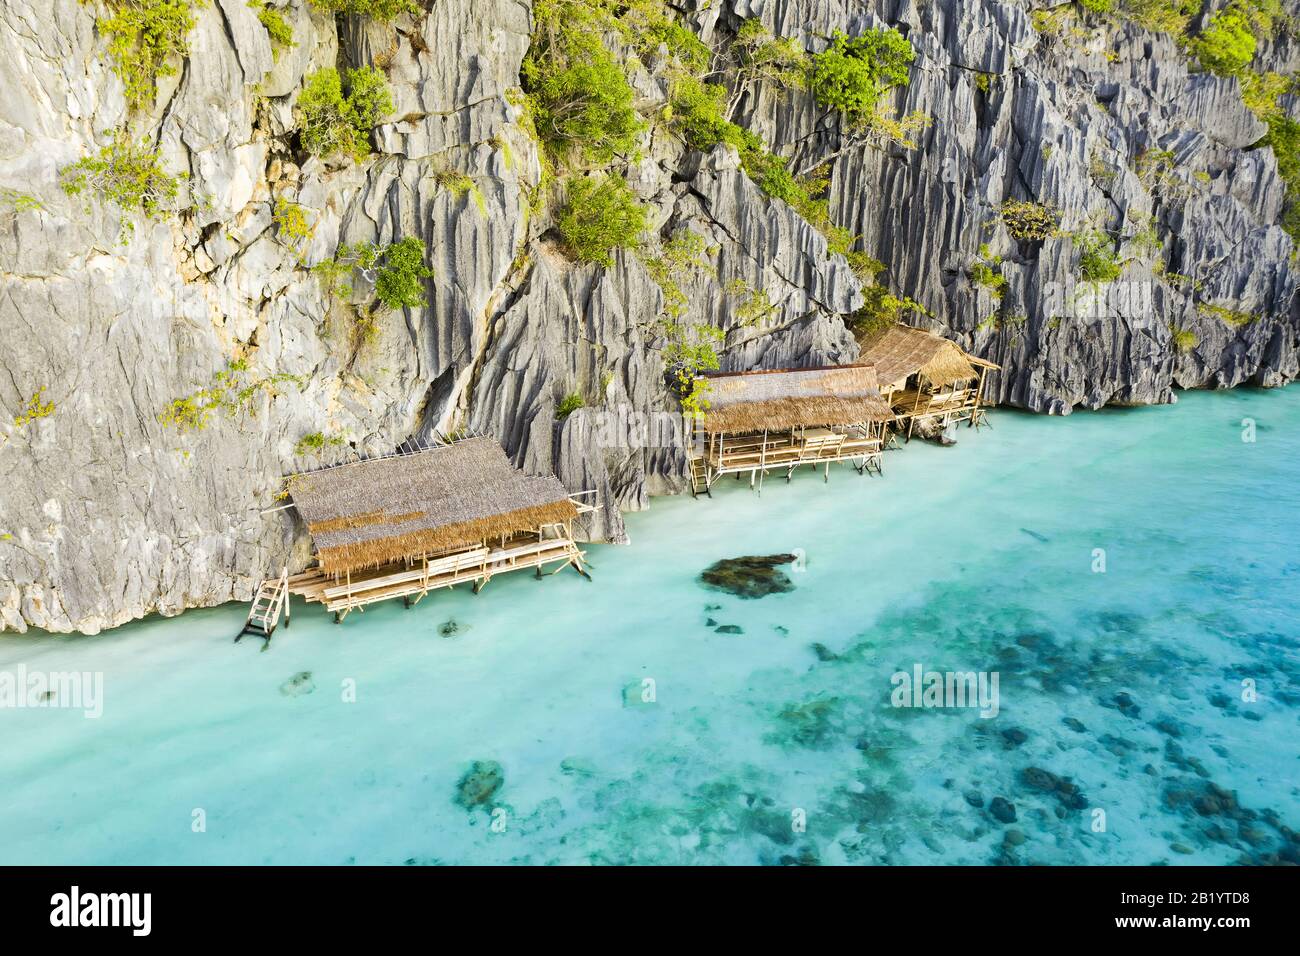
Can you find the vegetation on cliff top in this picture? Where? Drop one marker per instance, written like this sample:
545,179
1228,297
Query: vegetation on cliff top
579,95
144,36
383,10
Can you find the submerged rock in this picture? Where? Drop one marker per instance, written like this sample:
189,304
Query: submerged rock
1040,779
1003,810
729,629
1066,792
1124,703
451,627
481,782
298,685
1014,737
811,724
750,577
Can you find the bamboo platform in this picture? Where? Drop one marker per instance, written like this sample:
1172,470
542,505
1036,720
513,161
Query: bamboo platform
342,594
759,454
912,405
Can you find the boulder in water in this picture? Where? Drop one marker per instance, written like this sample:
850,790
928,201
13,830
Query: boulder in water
753,576
1003,810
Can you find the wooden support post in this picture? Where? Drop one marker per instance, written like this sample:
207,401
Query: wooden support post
288,598
979,392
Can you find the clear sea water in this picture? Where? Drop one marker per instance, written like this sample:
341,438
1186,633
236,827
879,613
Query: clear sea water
1125,733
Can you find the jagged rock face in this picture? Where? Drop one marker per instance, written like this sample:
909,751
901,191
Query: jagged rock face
1063,122
108,514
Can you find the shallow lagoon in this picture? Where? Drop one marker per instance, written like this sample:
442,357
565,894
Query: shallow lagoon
1119,692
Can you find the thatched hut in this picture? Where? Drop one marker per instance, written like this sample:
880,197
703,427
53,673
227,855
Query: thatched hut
403,525
783,418
927,377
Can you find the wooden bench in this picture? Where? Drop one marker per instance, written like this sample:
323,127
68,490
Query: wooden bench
456,562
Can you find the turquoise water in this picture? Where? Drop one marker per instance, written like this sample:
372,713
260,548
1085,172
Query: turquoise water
775,745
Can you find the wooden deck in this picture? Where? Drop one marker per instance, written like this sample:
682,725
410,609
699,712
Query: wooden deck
912,405
473,566
759,454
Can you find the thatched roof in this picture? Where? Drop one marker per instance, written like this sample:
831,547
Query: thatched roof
370,513
793,397
901,352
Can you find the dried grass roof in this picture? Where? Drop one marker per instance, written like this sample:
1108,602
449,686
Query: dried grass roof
901,352
793,397
371,513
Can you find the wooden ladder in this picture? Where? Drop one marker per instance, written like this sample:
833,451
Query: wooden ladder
264,615
699,476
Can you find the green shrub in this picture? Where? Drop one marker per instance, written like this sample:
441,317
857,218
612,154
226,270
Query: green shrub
1284,137
682,256
780,63
397,271
142,36
1145,240
1030,221
579,95
1232,317
294,229
315,443
602,214
696,111
399,283
336,273
333,123
1227,44
691,350
458,184
692,52
986,272
277,27
1160,16
126,174
1260,92
854,74
1098,262
231,390
881,310
569,404
756,307
1184,340
383,10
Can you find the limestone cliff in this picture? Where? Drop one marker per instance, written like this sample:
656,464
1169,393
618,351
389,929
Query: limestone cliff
107,513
